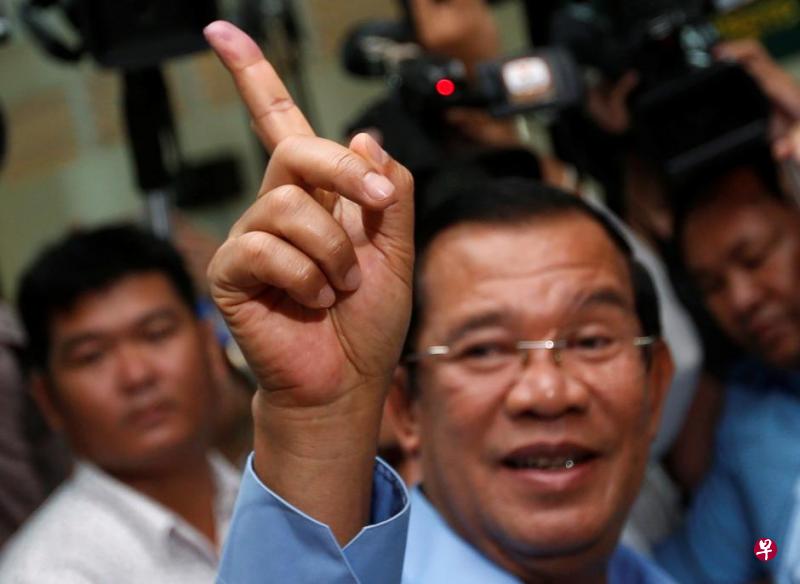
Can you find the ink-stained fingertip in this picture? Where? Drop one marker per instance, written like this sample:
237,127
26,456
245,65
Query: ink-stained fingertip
234,46
219,31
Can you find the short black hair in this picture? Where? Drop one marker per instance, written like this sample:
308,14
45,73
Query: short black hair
705,188
512,201
89,261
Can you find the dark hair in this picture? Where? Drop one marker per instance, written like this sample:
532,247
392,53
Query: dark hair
89,261
705,189
720,351
511,201
472,168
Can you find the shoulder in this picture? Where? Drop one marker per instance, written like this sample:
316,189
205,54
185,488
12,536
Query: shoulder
752,379
754,396
70,529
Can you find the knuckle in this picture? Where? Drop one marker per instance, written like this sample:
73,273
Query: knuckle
290,145
280,151
346,164
276,106
284,148
338,246
253,247
284,199
306,276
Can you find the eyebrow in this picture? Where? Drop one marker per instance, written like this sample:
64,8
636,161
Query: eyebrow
602,297
605,297
478,321
734,255
71,342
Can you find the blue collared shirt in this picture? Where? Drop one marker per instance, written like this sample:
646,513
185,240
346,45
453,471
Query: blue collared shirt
271,541
751,492
435,553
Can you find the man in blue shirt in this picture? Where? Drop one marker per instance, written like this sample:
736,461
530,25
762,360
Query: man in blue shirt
741,242
533,373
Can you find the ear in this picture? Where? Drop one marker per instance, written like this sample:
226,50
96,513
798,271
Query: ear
401,413
42,390
659,379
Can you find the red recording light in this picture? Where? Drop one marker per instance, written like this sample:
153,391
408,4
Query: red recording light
445,87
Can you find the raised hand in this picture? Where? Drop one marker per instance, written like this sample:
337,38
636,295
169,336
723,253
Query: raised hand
315,277
778,84
314,281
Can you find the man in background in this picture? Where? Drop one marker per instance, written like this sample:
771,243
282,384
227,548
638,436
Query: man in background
740,241
124,368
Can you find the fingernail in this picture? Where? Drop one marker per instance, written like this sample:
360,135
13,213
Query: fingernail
218,30
353,278
326,297
377,153
378,187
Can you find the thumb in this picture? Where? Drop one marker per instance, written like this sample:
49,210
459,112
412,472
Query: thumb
391,230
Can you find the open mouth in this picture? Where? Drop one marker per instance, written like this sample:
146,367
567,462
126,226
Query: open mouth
530,459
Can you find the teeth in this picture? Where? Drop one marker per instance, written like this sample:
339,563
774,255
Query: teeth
545,463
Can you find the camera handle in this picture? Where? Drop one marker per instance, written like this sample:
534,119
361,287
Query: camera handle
152,138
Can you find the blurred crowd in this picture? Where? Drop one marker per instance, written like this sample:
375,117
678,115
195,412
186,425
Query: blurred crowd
126,402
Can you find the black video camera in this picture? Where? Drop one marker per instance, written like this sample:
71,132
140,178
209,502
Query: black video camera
126,34
689,110
428,84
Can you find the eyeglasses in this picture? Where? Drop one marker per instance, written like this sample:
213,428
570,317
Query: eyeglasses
506,360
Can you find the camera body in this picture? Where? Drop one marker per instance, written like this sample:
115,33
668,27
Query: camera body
427,83
141,33
689,110
126,34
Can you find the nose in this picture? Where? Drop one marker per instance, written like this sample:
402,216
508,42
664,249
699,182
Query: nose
135,369
744,293
544,390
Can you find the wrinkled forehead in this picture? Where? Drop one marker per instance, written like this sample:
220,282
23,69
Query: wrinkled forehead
541,269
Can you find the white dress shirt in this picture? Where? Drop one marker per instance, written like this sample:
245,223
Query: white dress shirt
94,529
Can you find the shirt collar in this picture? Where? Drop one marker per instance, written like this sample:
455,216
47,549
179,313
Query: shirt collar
149,516
435,552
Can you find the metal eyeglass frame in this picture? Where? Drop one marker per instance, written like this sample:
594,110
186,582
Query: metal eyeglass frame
555,345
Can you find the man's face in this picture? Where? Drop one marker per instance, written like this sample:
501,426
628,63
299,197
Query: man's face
743,250
494,454
129,376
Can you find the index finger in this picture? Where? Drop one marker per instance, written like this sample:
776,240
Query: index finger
274,113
